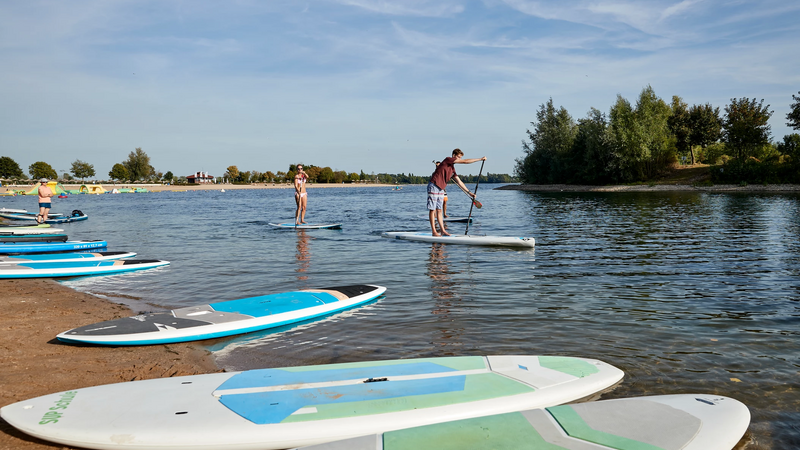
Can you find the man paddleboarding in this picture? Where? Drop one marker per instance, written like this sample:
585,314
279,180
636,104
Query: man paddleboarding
438,184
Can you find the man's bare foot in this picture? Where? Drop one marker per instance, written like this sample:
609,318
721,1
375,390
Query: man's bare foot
445,233
303,221
435,234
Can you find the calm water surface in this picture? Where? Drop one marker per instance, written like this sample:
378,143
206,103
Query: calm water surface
686,292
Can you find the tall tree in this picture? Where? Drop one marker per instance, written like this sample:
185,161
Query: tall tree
325,175
705,124
9,168
546,155
119,172
592,156
41,169
679,124
81,169
745,128
169,176
232,173
793,116
138,165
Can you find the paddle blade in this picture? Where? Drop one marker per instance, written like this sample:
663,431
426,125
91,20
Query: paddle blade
477,204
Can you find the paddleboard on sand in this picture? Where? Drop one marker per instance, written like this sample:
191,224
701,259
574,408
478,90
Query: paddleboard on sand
224,318
28,230
75,268
307,226
64,257
666,422
47,247
14,238
295,406
501,241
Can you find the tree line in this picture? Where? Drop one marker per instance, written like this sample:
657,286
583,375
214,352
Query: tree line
642,141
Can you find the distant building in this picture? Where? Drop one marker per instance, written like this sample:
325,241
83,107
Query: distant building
200,178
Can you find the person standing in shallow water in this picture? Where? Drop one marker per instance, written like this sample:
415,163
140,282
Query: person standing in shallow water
300,195
438,184
45,194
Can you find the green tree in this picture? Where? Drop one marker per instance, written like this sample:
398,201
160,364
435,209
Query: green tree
550,142
138,165
793,116
705,124
745,127
41,169
232,173
325,175
169,176
269,177
119,172
679,125
81,169
312,172
591,152
9,168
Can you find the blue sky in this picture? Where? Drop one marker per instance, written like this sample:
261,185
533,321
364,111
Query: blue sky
378,86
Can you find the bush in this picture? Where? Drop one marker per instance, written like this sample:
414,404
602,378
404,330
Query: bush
713,153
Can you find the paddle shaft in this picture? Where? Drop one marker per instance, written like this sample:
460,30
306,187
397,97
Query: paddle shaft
469,217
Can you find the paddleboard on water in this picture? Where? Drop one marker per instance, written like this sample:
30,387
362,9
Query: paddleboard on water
501,241
28,230
64,257
75,268
307,226
14,238
21,212
665,422
295,406
224,318
48,247
53,218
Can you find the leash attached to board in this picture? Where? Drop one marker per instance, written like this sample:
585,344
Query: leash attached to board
474,201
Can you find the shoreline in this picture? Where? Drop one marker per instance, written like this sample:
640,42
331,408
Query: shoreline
200,187
751,188
35,363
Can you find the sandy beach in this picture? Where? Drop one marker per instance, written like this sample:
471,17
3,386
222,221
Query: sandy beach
34,363
197,187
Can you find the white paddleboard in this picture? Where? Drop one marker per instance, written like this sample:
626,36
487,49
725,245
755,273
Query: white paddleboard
64,257
27,231
457,219
75,268
502,241
221,319
306,226
294,406
673,422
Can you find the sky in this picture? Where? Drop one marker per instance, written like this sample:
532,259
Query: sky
372,85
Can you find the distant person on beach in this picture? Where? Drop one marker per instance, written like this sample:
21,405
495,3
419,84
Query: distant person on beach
437,186
300,195
45,194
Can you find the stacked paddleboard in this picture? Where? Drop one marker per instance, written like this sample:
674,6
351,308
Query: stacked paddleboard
294,406
76,216
224,318
63,268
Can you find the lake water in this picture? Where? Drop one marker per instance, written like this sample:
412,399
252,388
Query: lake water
686,292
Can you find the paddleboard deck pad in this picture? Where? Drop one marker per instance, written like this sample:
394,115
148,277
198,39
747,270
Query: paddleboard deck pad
49,247
666,422
224,318
76,268
499,241
307,226
294,406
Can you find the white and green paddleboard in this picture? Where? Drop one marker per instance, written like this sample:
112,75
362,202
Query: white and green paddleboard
664,422
296,406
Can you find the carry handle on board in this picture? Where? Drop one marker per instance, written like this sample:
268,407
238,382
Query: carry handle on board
474,200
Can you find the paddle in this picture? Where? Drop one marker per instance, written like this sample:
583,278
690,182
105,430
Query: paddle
475,202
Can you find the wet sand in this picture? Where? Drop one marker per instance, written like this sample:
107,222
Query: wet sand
34,363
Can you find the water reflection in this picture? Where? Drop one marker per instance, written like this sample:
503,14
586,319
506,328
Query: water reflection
446,300
303,255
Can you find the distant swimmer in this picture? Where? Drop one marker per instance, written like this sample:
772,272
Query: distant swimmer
300,195
437,186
